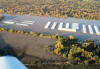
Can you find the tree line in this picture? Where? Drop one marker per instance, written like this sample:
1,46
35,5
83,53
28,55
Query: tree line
77,52
84,9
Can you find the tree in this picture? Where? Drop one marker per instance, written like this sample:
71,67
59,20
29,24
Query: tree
71,37
33,33
64,55
20,32
1,17
11,30
41,35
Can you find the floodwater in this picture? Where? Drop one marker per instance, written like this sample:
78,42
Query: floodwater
41,21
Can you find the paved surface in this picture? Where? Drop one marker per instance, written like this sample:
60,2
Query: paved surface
39,23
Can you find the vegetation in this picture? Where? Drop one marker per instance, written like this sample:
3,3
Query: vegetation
74,51
86,9
65,67
77,52
70,48
1,18
29,33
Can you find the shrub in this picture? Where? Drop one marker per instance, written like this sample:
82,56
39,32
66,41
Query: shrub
11,30
64,55
41,35
1,18
33,33
86,62
26,33
20,32
3,29
71,37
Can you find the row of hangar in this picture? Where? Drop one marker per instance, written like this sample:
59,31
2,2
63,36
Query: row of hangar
74,27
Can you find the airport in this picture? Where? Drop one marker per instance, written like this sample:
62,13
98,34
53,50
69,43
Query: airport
80,28
75,27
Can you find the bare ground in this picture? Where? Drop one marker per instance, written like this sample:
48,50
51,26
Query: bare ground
33,46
